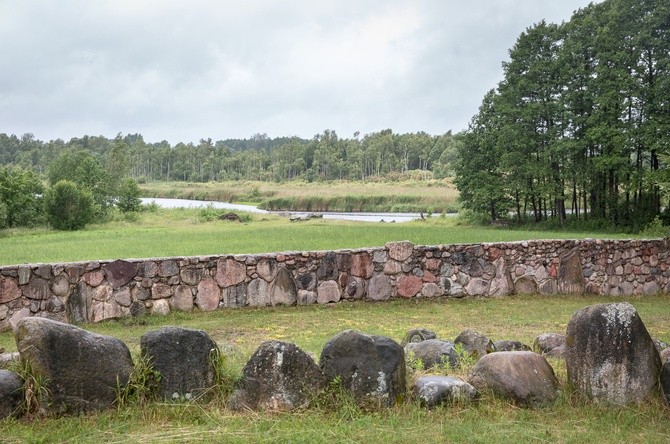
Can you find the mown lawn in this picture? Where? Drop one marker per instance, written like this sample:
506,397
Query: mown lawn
189,232
240,331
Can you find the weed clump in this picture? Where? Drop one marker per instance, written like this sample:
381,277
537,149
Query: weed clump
36,393
143,385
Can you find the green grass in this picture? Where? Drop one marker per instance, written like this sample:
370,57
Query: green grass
491,420
240,331
187,233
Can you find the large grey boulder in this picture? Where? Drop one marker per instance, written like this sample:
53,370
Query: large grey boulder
665,355
432,391
474,343
522,376
505,345
433,353
546,342
665,382
660,345
418,335
372,368
278,376
11,394
610,356
81,370
379,288
185,360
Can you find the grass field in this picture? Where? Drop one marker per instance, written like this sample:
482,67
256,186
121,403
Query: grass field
190,232
491,420
196,232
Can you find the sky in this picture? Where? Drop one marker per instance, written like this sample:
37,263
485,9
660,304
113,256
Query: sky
184,71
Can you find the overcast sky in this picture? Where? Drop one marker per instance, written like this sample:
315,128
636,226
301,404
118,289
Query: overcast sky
181,71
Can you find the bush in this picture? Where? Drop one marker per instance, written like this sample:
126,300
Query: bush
151,207
68,207
129,196
20,193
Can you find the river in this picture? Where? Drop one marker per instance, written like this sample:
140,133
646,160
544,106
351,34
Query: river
361,217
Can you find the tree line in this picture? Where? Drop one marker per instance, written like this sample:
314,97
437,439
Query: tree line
70,184
324,157
76,189
580,124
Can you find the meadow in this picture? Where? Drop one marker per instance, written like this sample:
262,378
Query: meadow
193,232
160,233
240,331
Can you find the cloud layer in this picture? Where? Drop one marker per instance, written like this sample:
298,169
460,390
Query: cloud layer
180,71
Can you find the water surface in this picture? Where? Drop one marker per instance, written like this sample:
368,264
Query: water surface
361,217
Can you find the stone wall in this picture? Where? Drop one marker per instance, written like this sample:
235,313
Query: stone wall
96,290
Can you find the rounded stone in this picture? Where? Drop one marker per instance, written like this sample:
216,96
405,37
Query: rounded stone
208,295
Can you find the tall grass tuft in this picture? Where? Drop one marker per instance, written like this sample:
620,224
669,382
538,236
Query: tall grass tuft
226,375
143,385
36,393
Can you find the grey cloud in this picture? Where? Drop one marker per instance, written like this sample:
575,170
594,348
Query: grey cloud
184,71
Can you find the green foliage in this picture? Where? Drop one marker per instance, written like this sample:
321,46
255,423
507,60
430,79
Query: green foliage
348,203
117,165
324,157
226,375
129,196
35,391
85,170
338,400
414,363
142,386
655,229
132,216
209,213
465,360
151,207
578,125
68,206
20,192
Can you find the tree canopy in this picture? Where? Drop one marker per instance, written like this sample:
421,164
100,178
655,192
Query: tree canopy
580,123
326,156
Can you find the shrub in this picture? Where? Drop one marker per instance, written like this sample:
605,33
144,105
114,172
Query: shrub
84,169
209,213
20,192
151,207
129,196
68,207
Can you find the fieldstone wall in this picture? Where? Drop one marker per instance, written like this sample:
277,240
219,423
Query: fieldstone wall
97,290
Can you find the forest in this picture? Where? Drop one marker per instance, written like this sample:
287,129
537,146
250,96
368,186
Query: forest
324,157
89,176
580,124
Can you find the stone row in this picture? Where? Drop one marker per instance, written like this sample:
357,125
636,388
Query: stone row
97,290
89,372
